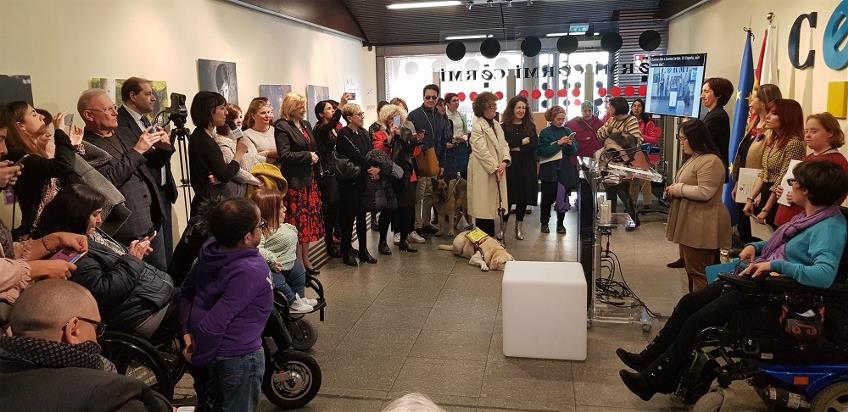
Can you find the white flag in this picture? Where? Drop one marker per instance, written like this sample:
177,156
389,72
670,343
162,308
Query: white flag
769,73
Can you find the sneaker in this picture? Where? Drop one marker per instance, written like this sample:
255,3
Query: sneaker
396,239
416,238
308,301
300,306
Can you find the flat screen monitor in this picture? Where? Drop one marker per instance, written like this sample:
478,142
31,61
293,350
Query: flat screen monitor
674,85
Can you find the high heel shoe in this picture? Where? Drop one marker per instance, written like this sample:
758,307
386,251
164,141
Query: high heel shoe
637,384
406,247
519,233
349,258
364,256
635,361
383,248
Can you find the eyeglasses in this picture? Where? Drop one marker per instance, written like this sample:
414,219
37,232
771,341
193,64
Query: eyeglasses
791,181
113,109
492,106
99,327
360,114
431,97
262,224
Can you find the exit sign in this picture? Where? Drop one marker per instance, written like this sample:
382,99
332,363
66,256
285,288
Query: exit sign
578,28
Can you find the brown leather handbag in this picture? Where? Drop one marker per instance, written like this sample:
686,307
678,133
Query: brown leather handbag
428,163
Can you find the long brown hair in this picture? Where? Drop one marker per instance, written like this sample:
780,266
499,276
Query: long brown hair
230,124
14,113
255,105
269,202
509,114
791,122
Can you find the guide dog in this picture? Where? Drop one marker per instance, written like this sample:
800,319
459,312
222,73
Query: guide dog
490,256
450,200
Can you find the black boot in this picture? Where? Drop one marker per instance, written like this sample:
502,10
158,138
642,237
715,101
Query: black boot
364,256
383,248
545,228
333,251
405,246
638,384
636,361
560,228
349,258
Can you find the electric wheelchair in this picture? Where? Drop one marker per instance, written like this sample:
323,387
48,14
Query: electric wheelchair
292,377
790,344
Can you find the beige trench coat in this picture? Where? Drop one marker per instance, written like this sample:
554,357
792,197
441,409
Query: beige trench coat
488,150
700,220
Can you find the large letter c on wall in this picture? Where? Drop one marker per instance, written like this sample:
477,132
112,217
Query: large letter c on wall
835,34
795,40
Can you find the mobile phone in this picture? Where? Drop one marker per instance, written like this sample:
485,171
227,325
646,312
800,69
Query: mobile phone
18,163
236,133
68,255
396,121
69,119
352,95
148,237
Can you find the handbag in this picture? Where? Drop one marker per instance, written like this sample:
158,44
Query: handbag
343,168
428,163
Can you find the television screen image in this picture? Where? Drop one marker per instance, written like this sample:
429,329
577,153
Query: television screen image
674,86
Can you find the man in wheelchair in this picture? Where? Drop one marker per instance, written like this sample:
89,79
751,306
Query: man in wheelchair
807,249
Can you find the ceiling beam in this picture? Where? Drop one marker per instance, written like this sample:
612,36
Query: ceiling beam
328,15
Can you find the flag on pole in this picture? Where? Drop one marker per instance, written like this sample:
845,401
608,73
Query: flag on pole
746,82
759,71
769,73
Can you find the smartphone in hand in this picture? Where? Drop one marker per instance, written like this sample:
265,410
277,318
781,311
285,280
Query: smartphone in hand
18,163
351,95
68,255
396,121
69,119
148,237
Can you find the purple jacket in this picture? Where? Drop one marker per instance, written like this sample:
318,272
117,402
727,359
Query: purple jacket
225,303
587,135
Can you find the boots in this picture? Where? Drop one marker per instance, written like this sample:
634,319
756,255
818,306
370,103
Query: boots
405,246
383,248
364,256
519,234
349,258
635,361
545,228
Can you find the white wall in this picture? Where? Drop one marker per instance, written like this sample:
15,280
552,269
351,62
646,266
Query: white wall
63,43
716,29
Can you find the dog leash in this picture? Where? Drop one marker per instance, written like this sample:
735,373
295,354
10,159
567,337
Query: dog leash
501,212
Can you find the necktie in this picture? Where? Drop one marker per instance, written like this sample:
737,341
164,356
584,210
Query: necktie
145,122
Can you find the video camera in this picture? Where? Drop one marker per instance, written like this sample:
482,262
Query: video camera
178,113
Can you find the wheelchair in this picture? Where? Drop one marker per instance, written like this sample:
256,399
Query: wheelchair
791,345
292,377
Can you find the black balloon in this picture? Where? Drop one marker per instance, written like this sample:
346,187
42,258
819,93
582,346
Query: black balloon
531,46
544,104
455,50
599,84
567,44
649,40
490,48
598,102
611,42
545,86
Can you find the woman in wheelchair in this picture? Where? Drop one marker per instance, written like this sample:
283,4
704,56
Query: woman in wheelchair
133,296
807,249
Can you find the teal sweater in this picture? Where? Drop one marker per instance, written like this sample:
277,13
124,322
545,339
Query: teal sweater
551,134
813,256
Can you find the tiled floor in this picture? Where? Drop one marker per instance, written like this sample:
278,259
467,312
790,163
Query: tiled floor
429,322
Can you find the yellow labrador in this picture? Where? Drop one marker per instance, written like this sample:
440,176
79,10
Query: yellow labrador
491,256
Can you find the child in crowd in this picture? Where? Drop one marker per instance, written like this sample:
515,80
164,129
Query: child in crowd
225,304
278,246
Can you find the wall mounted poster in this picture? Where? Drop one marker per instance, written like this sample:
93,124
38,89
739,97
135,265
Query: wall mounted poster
315,94
275,93
15,88
218,76
113,89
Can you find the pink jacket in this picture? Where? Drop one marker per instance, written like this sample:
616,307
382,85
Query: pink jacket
650,134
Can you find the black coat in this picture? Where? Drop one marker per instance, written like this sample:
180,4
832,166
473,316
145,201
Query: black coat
77,389
354,145
129,172
206,159
295,153
127,290
522,182
718,123
154,158
36,173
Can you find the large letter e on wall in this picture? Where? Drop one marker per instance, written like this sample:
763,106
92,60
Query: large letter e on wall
795,40
835,35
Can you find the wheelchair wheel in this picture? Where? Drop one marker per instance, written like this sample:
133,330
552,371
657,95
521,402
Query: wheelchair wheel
831,399
292,379
136,358
710,402
303,334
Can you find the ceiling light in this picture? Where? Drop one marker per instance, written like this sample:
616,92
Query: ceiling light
423,5
469,36
556,34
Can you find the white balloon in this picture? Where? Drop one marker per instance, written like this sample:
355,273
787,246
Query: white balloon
502,63
472,64
411,68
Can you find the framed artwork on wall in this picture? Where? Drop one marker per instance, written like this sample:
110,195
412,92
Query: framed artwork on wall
218,76
315,94
15,88
275,93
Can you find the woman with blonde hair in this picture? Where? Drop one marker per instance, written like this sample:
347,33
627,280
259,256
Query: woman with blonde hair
401,145
258,126
297,149
487,165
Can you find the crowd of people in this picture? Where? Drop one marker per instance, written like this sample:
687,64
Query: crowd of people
270,184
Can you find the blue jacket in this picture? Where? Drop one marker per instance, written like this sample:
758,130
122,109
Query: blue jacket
437,130
813,256
226,301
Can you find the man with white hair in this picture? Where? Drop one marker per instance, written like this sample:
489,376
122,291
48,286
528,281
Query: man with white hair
52,361
127,170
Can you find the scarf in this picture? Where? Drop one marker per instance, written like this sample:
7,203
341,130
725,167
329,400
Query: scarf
49,354
775,248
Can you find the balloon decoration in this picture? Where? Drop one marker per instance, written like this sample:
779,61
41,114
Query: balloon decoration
473,96
602,91
461,96
643,90
616,91
536,94
562,93
575,92
524,93
629,91
577,102
611,42
531,46
455,50
499,95
598,102
549,94
490,48
649,40
567,44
